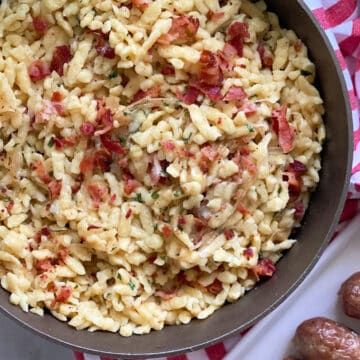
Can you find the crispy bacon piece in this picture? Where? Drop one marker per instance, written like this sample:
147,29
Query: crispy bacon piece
298,45
62,255
61,142
166,295
181,221
141,4
61,56
265,267
266,59
237,33
190,95
248,252
38,70
283,129
87,128
243,210
103,48
235,93
102,160
293,175
225,57
168,70
41,172
183,30
128,213
40,25
167,145
210,72
86,164
153,92
299,210
209,153
10,206
97,193
112,146
249,108
248,164
215,16
296,167
166,230
55,188
44,264
130,185
212,92
215,288
104,118
57,96
64,294
229,234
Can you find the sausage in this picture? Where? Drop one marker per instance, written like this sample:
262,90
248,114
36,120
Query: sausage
350,294
323,339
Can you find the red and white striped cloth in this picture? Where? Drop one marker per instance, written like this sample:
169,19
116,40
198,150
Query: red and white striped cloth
341,21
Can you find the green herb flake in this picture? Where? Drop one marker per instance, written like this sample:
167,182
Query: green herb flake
113,74
155,195
250,128
122,141
126,113
51,142
177,103
305,73
186,140
163,257
119,276
139,198
165,103
178,193
132,285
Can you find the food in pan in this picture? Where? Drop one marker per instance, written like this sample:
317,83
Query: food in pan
155,156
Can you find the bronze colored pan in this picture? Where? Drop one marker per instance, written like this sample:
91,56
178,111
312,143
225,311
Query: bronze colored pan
318,226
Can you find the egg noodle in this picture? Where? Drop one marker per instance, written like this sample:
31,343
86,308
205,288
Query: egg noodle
155,156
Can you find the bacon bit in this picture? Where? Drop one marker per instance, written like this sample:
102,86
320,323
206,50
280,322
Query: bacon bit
248,252
62,255
55,188
299,210
167,231
141,4
225,56
44,264
10,206
248,164
210,72
165,295
235,93
86,164
181,221
243,210
60,143
298,45
102,160
45,231
212,92
229,234
283,129
128,213
237,33
41,172
167,145
40,25
209,153
248,108
112,199
190,95
183,30
123,163
296,167
265,267
103,117
266,60
156,171
215,16
215,288
51,287
130,186
61,56
87,128
153,92
104,49
181,277
112,146
168,70
65,293
93,227
97,193
38,70
57,96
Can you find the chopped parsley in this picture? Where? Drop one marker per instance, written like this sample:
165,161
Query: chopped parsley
178,193
51,142
119,276
122,141
165,103
177,103
163,257
113,74
139,198
126,113
155,195
132,285
305,73
186,140
250,128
